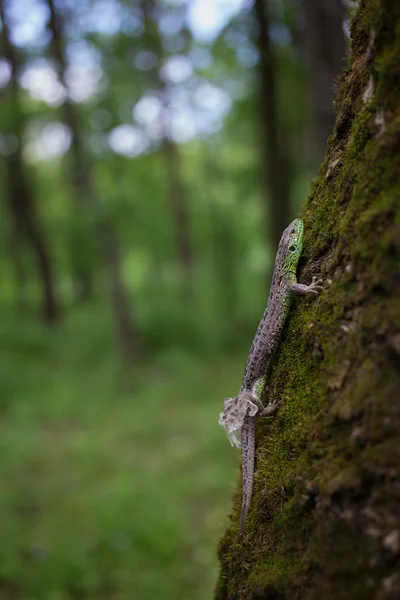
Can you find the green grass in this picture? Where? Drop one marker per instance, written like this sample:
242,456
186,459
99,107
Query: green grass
110,486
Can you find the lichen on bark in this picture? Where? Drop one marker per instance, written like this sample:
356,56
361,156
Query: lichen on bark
324,521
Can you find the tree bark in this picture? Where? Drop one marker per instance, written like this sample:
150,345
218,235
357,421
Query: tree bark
326,48
18,191
324,520
107,239
276,164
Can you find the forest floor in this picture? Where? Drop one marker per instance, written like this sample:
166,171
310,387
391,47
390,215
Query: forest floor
111,486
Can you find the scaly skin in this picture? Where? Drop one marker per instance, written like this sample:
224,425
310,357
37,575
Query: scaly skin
240,412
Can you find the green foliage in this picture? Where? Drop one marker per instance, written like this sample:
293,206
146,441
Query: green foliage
109,483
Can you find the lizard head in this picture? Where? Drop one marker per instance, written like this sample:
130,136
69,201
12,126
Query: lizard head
291,245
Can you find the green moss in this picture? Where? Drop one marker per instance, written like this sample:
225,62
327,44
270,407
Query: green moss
321,462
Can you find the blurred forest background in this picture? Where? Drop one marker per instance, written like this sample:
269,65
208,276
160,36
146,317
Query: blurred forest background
151,153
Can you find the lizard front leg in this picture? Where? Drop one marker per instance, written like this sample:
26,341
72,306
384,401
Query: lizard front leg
301,288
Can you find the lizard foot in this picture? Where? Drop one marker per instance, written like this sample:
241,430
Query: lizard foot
315,285
270,409
301,288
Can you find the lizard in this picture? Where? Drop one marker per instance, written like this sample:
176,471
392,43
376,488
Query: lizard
240,412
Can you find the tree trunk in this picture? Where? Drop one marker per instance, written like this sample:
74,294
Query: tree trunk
326,47
180,217
107,240
18,192
276,164
177,194
82,271
324,520
16,250
223,248
124,325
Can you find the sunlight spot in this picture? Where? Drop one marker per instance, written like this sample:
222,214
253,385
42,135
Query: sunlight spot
83,81
39,78
5,72
181,126
105,17
53,141
28,18
210,97
132,23
148,110
128,140
176,69
206,18
171,23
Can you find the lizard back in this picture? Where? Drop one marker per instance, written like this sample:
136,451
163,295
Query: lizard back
272,321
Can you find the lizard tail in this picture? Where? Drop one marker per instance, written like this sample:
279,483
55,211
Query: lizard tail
248,451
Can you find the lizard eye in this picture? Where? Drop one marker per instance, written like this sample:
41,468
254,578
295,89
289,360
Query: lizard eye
292,248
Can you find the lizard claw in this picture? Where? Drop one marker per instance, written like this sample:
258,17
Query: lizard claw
315,286
316,281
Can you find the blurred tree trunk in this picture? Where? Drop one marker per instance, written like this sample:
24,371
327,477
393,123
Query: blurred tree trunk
82,271
18,191
276,163
178,198
107,239
178,203
326,47
324,519
16,247
223,246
